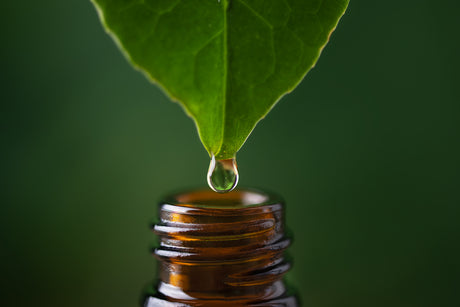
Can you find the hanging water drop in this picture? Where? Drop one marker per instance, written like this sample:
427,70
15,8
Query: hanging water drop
222,175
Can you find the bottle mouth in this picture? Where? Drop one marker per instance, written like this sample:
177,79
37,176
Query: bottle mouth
240,198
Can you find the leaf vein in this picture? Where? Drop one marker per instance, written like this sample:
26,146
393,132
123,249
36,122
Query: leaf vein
257,14
225,74
213,37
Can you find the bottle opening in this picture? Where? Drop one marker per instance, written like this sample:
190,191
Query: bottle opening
231,200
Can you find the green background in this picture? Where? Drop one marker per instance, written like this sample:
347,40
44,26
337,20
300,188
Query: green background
365,151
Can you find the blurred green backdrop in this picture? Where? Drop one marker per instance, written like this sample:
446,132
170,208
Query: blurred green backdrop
366,152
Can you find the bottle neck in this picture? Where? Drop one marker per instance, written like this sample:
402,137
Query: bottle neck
217,247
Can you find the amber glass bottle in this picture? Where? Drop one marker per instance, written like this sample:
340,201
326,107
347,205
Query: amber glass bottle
221,250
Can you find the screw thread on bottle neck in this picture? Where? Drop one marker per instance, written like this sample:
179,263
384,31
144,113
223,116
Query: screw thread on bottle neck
219,249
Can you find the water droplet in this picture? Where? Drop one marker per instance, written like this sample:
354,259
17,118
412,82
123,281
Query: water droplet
222,175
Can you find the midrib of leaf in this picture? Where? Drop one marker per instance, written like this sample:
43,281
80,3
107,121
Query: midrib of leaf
225,74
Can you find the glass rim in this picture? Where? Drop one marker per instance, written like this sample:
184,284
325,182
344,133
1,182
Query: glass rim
206,198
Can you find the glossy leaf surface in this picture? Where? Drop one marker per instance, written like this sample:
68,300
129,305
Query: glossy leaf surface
226,62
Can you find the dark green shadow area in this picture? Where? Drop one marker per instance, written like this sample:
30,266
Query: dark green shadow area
366,152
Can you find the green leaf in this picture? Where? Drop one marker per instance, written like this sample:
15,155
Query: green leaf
227,62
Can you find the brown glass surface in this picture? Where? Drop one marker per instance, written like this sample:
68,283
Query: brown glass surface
221,250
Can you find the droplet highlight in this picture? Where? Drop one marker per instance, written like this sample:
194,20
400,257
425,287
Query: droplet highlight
222,175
